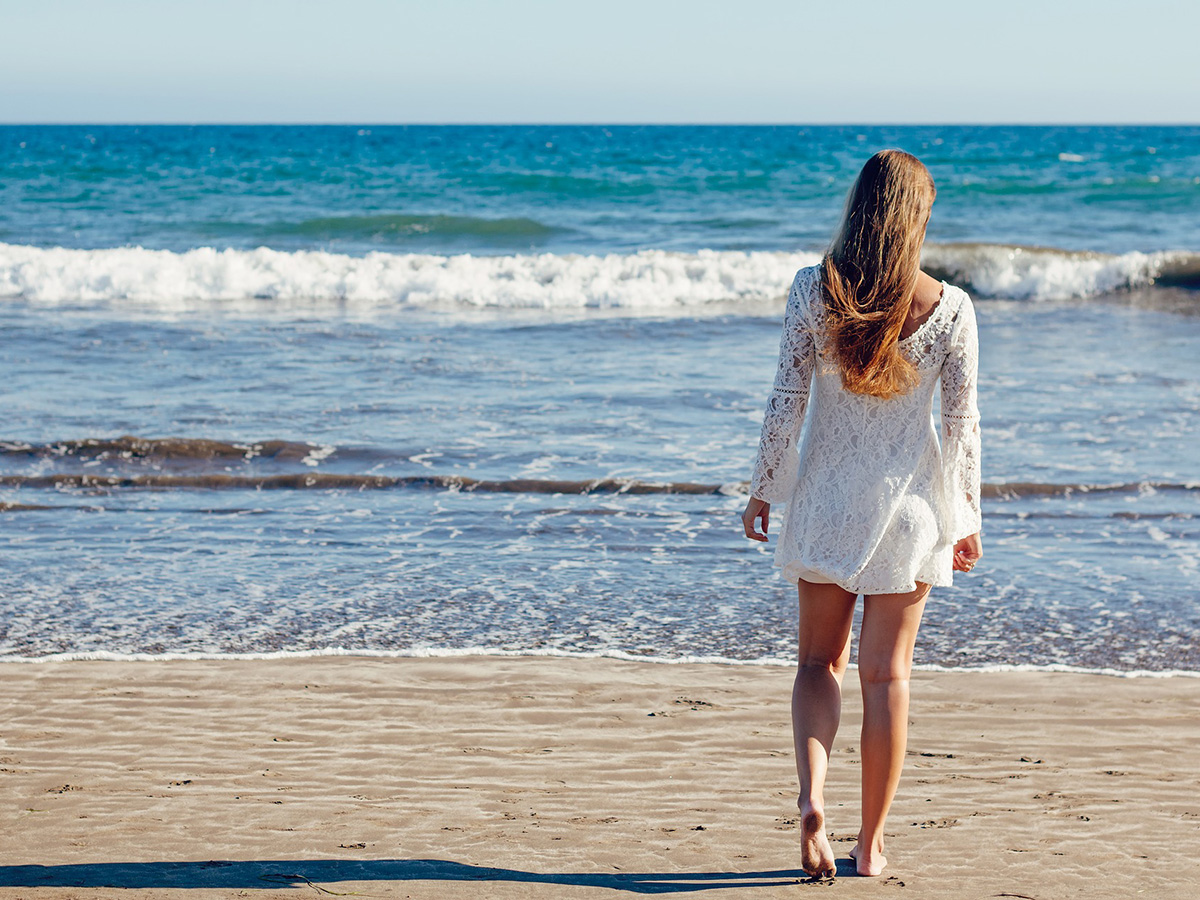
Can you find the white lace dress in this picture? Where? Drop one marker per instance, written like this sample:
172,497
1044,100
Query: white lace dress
874,502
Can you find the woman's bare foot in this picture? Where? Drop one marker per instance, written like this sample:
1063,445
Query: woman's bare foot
816,856
870,863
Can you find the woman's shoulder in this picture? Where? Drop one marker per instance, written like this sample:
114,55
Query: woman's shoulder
806,287
956,303
955,326
950,301
954,290
808,277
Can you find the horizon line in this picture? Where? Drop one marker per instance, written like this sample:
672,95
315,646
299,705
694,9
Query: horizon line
597,124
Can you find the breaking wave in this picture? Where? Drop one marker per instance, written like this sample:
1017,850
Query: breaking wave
1035,273
652,280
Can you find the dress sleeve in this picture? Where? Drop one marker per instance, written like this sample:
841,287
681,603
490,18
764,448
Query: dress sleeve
778,465
960,425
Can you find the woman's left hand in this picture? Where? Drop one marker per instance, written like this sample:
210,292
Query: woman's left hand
967,552
756,509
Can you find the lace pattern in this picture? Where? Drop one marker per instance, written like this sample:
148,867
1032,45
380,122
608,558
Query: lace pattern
873,502
961,441
778,465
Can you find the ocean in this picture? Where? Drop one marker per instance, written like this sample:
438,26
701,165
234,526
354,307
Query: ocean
439,390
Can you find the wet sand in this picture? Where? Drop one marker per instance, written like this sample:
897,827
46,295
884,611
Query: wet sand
550,777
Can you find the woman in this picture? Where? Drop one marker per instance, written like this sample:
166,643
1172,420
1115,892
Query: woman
875,506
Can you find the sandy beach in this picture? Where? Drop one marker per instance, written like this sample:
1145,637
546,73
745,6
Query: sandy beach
550,777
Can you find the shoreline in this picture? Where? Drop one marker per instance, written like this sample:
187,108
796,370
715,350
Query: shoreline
433,653
553,777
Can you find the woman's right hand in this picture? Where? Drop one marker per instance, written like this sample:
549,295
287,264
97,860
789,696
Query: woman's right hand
967,552
756,509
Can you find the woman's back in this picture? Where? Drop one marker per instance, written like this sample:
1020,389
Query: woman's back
871,507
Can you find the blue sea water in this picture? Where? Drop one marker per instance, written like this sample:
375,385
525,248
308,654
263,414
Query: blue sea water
410,389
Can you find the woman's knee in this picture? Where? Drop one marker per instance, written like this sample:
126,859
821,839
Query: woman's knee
819,663
884,671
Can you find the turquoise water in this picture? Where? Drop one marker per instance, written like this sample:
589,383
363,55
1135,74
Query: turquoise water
426,389
505,189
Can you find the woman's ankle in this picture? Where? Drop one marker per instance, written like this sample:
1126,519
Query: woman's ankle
873,844
811,803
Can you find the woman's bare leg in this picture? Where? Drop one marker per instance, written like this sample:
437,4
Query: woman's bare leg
885,651
826,614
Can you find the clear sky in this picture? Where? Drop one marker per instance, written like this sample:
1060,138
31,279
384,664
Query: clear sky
372,61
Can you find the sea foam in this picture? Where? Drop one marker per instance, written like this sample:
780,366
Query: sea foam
654,280
1035,273
650,279
550,653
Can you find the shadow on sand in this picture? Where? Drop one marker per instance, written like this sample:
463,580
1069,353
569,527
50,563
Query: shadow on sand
315,872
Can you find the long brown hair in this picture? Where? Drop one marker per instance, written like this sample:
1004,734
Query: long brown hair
870,273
